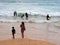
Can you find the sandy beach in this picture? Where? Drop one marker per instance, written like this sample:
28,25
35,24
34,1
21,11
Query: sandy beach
36,33
25,42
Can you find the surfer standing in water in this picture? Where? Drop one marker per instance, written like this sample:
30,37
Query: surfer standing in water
15,13
48,17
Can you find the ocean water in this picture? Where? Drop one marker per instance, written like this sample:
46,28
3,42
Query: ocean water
35,7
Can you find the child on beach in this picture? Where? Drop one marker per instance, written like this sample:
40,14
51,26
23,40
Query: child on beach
22,29
13,32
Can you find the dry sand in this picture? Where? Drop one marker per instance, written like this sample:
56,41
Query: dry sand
35,34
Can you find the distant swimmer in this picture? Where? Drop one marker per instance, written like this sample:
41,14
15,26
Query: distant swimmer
22,16
48,17
26,14
15,13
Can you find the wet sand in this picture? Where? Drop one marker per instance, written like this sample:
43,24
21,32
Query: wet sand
25,42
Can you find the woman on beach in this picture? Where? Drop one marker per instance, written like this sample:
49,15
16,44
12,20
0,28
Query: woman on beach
22,29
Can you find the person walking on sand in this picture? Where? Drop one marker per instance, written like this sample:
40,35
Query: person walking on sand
13,32
22,29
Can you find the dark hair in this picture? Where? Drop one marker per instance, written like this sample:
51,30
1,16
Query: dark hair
12,27
23,23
